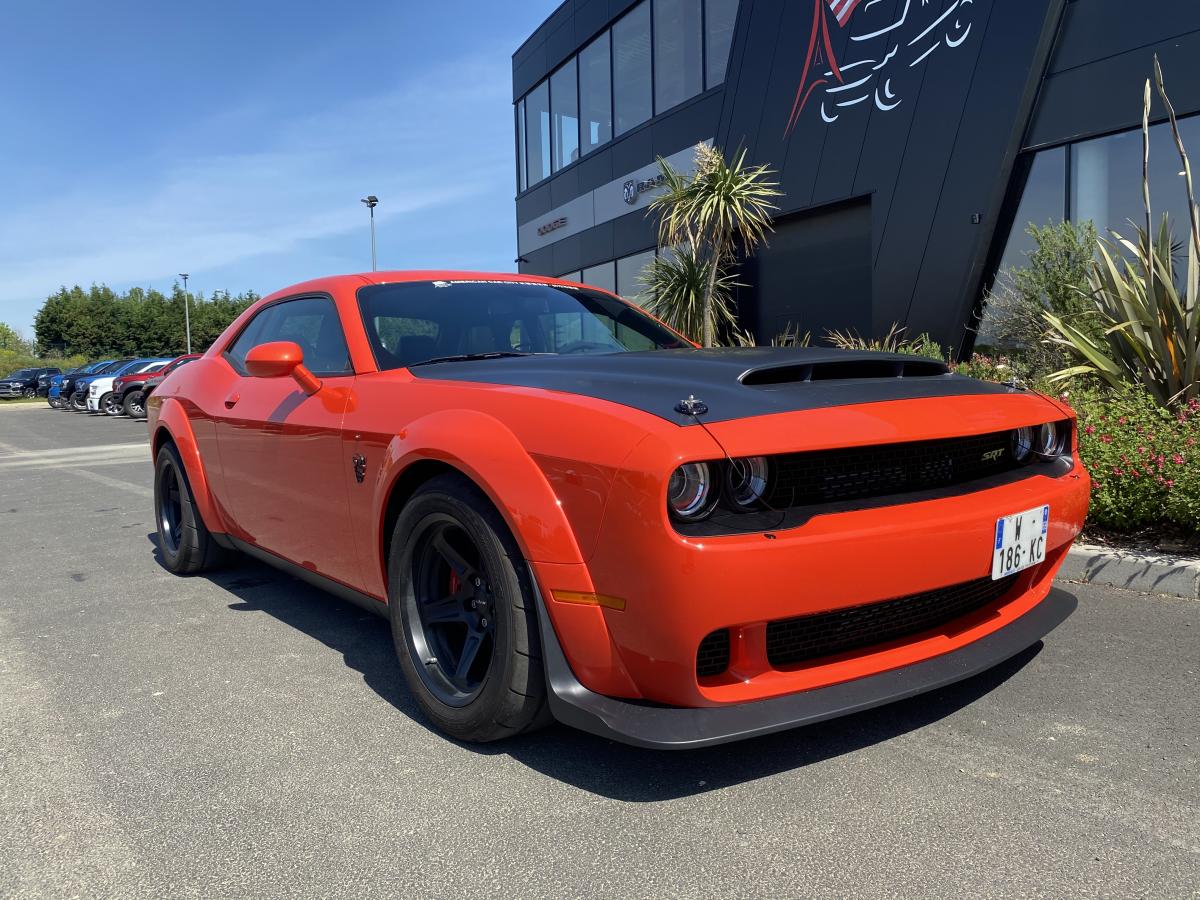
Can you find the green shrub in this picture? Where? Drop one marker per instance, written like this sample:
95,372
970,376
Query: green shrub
1144,459
987,368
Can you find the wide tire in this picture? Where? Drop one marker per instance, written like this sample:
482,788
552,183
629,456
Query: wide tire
463,617
183,540
135,405
54,402
110,405
79,401
29,393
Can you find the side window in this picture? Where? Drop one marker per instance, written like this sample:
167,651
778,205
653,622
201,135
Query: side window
311,323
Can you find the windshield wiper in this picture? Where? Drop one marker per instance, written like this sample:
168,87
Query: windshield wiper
471,357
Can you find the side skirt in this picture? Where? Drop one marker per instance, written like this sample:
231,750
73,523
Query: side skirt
370,604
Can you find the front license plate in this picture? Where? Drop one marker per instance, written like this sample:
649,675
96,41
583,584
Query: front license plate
1020,541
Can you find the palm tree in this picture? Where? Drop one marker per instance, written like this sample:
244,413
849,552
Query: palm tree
704,218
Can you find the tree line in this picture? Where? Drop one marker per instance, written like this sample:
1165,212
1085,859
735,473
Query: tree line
99,322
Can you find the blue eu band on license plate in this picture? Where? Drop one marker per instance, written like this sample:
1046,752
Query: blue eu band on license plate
1020,541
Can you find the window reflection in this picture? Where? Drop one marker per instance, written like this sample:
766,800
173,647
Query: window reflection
719,19
631,69
595,93
603,276
537,133
678,67
629,275
1043,203
564,103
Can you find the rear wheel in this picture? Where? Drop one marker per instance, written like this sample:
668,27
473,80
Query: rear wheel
183,540
135,405
463,618
110,404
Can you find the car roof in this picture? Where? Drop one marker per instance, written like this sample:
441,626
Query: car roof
360,279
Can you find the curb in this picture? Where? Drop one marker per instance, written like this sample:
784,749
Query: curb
1178,576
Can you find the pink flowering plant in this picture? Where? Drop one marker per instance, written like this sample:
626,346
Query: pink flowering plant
1144,458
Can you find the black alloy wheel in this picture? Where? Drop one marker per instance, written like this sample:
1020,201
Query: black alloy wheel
170,510
29,393
463,616
184,542
79,401
451,615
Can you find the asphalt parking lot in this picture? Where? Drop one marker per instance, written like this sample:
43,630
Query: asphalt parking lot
247,735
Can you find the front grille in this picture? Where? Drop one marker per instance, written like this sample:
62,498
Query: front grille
713,656
790,641
855,473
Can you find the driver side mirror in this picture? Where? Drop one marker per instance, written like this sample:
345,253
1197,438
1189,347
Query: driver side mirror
279,359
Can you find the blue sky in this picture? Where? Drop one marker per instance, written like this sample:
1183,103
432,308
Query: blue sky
232,140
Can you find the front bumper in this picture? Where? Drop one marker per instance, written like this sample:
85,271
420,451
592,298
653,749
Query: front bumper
665,727
93,404
11,392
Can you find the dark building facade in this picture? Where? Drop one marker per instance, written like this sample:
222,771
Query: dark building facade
914,140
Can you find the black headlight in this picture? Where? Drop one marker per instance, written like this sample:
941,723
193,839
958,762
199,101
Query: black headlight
690,494
746,482
1052,440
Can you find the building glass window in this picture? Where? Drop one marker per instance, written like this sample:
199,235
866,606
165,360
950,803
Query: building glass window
1106,179
603,276
632,94
537,133
1044,202
595,93
678,63
564,106
719,19
521,182
572,276
629,275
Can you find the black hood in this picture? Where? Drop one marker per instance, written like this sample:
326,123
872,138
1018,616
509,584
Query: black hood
730,383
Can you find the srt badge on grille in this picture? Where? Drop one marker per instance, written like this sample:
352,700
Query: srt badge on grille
993,455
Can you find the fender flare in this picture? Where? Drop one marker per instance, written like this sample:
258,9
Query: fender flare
487,452
173,423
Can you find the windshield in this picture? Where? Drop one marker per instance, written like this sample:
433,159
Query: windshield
417,321
21,373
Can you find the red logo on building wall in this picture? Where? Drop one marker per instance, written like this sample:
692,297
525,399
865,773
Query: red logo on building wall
882,48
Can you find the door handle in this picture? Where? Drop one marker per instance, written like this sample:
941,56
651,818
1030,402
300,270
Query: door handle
231,400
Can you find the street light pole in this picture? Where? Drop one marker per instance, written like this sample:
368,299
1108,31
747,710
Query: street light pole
372,201
187,313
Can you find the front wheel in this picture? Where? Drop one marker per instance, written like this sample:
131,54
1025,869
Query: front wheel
55,402
79,401
110,403
463,619
29,393
183,540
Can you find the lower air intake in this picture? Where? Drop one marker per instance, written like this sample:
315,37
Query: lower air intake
713,656
791,641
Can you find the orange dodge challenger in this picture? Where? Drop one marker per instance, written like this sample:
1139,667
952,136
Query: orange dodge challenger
569,511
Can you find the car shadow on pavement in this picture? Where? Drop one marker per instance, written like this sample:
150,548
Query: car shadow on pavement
593,764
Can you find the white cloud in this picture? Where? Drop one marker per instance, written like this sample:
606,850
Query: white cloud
427,145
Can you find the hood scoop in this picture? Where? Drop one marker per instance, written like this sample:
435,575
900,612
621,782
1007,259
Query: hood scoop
843,370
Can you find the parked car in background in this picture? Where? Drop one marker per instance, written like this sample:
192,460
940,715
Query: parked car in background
55,396
79,389
101,393
22,383
568,510
135,399
69,382
43,382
